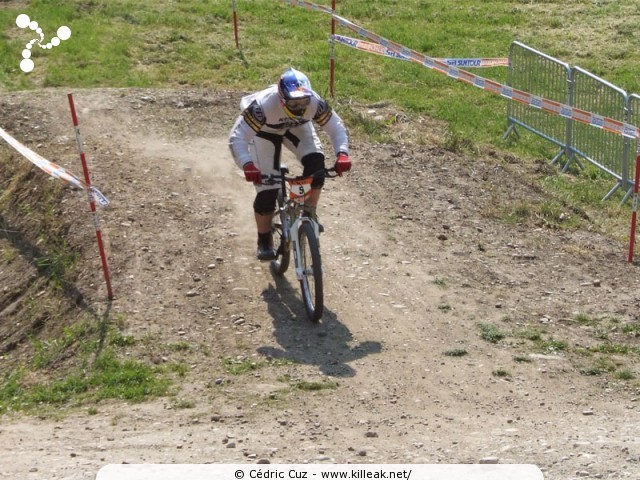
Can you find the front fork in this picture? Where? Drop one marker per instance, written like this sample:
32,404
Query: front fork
295,243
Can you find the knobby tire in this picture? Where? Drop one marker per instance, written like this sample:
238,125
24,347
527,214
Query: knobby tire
283,253
311,283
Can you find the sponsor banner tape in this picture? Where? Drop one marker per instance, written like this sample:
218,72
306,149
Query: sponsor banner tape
454,62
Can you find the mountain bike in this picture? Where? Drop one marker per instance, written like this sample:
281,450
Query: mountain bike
295,232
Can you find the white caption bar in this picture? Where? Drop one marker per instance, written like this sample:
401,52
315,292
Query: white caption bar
319,472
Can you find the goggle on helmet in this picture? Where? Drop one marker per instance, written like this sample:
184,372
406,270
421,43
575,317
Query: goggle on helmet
295,92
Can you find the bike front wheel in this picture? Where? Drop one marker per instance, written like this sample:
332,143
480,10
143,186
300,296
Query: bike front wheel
281,239
311,281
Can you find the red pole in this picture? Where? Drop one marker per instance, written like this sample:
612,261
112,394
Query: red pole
331,61
634,214
235,23
87,180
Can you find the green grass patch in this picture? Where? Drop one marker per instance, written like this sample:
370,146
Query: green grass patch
307,386
178,368
584,319
624,374
522,359
367,125
547,213
532,333
129,379
240,365
632,328
117,339
615,349
444,307
81,364
8,254
108,377
441,282
313,386
182,346
490,332
182,404
501,373
601,366
550,345
456,352
82,337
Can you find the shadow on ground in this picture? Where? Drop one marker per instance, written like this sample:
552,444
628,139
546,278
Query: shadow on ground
329,344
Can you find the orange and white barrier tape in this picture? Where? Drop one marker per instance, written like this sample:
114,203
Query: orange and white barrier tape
51,168
454,62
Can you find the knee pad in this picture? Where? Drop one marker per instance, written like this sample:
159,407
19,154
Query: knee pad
313,162
265,202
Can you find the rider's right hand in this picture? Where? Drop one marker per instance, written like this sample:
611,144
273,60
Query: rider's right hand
251,173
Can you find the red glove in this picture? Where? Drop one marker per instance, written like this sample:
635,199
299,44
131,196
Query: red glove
343,164
251,173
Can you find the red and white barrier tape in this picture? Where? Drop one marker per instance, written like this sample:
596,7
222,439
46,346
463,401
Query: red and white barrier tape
51,168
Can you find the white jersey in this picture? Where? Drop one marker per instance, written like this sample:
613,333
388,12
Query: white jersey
263,112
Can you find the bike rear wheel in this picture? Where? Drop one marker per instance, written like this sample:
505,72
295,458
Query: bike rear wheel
311,282
280,232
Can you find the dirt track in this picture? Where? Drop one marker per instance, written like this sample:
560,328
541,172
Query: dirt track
413,260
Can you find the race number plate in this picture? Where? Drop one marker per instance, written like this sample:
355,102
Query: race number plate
300,189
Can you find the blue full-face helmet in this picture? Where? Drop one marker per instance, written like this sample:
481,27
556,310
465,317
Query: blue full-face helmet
295,92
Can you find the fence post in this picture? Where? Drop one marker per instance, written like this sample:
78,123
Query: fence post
333,49
92,203
632,236
235,23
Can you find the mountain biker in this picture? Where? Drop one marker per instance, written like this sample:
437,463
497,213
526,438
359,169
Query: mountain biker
282,114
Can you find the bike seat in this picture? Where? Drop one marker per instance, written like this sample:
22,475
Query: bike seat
284,168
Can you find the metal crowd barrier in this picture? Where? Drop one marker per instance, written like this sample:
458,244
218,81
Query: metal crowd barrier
607,151
541,75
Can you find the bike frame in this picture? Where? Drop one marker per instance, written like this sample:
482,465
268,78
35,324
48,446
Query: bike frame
294,216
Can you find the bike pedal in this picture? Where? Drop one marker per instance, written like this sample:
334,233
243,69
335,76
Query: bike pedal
266,255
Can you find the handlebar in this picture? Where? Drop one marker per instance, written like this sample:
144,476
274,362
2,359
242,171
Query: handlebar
277,179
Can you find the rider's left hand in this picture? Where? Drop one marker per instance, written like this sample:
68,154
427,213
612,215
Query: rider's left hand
343,164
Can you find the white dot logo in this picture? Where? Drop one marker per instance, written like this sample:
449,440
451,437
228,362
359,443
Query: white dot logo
23,21
64,33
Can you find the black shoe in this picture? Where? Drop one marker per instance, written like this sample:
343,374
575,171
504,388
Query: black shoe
265,251
266,254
